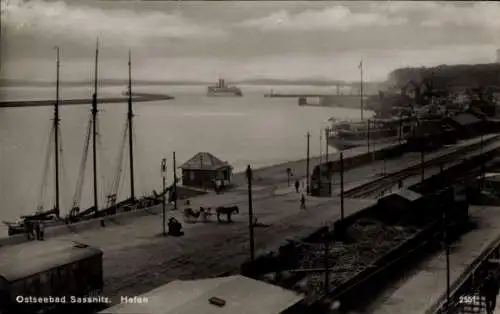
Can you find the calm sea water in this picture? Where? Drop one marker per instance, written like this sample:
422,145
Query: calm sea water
248,130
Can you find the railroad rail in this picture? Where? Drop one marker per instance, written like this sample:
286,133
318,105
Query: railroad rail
389,180
334,266
331,266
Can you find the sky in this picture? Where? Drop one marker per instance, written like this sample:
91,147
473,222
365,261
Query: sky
190,40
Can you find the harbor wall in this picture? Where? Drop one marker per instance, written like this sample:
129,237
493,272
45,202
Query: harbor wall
118,219
352,158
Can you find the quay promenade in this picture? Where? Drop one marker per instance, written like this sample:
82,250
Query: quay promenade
137,258
270,180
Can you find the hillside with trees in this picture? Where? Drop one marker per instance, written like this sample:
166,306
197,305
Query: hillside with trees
443,76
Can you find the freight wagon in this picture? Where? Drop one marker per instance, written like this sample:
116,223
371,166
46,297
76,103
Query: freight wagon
51,276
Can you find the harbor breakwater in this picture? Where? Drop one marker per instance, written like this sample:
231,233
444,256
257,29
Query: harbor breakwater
136,97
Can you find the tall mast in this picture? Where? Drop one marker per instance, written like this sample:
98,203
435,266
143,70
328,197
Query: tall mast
56,136
94,124
130,116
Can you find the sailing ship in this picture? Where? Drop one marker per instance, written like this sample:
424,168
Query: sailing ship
221,89
52,217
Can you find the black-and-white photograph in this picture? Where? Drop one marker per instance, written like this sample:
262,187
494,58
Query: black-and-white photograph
249,157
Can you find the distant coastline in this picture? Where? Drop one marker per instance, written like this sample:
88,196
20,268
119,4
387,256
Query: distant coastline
115,82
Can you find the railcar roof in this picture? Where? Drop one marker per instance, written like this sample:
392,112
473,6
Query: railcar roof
242,295
26,259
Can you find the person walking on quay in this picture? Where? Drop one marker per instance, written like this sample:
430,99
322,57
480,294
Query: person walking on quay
297,186
303,202
37,229
28,228
490,292
42,230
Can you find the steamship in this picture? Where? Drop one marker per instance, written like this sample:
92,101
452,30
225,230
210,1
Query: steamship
345,134
221,89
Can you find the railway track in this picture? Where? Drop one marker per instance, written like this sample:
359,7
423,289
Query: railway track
381,185
357,264
329,267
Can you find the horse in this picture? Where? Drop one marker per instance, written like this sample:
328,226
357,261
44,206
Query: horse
190,213
222,210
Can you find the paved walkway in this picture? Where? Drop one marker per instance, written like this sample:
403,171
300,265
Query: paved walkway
427,283
137,259
277,174
277,186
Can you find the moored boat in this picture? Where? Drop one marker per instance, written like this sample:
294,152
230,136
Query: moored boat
347,134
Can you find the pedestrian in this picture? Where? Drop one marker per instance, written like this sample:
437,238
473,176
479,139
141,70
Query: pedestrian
303,202
37,229
490,292
297,186
27,229
42,230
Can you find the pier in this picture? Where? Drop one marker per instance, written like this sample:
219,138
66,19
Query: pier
136,97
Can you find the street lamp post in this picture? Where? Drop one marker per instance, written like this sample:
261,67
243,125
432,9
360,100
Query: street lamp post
250,213
342,186
329,175
447,252
307,164
164,172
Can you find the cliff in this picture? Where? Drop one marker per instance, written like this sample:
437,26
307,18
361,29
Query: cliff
444,76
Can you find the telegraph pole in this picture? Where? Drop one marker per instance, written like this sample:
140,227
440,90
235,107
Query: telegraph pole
175,182
94,129
342,186
368,135
130,116
164,172
327,270
400,127
447,249
320,164
307,164
422,167
250,213
329,175
56,135
361,88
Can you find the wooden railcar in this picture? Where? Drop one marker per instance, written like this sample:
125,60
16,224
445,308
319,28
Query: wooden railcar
50,277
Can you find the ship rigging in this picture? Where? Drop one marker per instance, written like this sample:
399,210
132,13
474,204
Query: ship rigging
92,131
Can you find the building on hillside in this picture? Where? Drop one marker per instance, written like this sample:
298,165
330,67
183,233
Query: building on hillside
204,170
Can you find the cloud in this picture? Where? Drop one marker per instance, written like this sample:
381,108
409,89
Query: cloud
85,22
332,18
481,15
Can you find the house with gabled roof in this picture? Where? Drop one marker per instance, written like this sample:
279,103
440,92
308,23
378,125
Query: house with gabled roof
204,170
